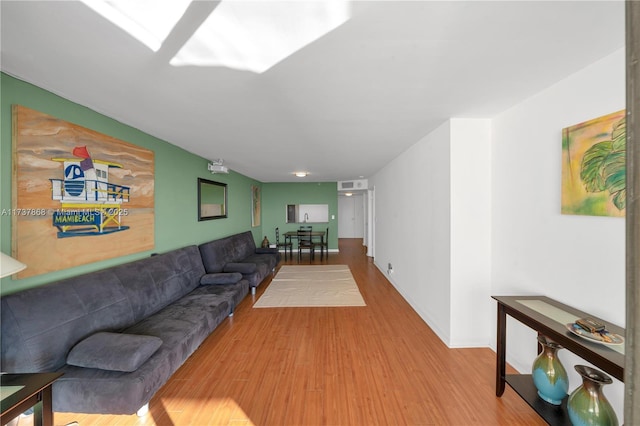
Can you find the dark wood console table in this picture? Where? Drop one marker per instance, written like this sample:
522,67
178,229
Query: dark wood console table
547,317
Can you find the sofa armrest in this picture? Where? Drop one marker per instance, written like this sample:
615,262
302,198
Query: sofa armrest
266,250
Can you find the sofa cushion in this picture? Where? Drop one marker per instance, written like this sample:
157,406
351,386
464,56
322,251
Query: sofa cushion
113,351
37,338
154,282
234,248
243,268
221,278
235,253
182,326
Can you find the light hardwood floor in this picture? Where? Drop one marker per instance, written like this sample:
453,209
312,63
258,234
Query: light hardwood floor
374,365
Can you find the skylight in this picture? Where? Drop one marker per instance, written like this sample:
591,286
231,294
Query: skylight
251,35
148,21
256,35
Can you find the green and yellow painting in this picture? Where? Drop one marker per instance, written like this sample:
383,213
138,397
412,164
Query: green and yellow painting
594,168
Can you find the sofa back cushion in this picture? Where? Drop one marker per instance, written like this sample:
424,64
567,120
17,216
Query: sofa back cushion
152,283
244,245
234,248
39,326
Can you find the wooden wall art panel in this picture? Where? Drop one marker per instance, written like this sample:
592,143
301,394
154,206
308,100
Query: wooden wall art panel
79,196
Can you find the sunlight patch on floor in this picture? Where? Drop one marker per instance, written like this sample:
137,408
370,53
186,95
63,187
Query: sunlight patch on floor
218,411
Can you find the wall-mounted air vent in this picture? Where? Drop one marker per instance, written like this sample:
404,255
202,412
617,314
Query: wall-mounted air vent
352,185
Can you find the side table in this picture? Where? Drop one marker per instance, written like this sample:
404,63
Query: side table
21,392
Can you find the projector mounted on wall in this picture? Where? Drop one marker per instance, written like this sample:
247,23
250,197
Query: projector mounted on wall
215,166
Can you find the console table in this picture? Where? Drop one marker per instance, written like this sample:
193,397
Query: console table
21,392
549,318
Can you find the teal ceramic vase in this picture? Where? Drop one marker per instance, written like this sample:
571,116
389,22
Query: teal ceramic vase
587,405
549,375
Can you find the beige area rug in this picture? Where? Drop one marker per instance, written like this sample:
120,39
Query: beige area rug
312,285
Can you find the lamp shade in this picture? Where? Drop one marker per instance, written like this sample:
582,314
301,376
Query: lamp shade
9,265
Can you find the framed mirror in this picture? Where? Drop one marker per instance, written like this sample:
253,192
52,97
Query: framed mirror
212,200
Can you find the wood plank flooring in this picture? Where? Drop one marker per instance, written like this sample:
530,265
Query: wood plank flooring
374,365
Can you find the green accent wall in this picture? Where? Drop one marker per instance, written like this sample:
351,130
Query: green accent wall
176,174
276,196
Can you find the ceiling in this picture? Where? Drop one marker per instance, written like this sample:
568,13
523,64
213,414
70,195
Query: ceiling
340,108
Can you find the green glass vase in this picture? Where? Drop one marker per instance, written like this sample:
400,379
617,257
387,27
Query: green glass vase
587,405
549,375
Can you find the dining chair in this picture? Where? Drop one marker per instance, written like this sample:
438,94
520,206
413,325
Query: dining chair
286,244
306,228
305,243
324,244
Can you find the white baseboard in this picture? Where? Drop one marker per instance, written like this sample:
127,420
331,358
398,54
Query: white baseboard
329,250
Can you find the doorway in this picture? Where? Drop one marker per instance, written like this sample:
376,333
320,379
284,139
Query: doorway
351,216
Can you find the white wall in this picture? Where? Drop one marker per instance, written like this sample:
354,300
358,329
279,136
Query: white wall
433,224
424,212
578,260
412,207
471,307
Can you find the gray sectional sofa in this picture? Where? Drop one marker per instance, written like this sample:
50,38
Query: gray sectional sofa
238,253
117,334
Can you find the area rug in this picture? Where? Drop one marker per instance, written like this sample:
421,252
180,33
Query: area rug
312,285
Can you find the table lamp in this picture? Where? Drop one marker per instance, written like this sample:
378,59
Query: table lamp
9,265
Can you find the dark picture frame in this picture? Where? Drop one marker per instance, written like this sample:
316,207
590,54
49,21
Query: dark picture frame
212,200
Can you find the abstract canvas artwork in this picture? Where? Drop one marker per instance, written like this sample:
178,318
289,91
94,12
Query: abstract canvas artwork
79,196
255,206
594,168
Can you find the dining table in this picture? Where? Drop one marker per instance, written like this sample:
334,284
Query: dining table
294,234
